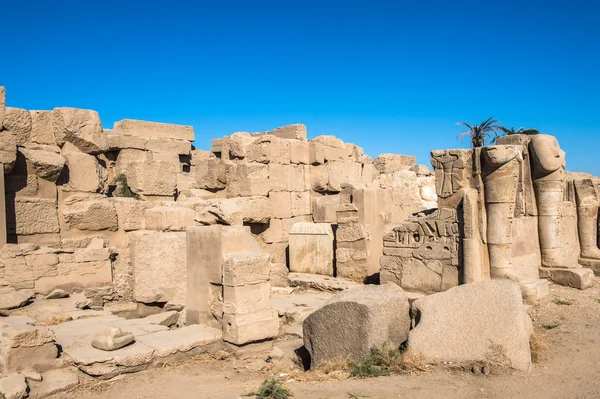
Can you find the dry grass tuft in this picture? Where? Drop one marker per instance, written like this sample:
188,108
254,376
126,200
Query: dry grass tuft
540,348
55,320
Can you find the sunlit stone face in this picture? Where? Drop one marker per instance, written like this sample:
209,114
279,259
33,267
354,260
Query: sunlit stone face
547,155
499,155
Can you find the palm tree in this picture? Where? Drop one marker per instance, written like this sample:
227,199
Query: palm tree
479,133
509,132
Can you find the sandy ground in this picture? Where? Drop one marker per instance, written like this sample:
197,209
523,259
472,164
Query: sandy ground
570,369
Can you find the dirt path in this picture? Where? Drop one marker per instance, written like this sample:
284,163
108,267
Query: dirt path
570,370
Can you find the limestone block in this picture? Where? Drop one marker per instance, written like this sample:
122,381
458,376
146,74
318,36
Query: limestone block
18,122
84,173
57,294
117,142
37,358
152,177
296,132
8,151
324,208
207,248
180,147
390,163
481,322
165,218
210,173
243,329
255,209
281,204
246,268
246,299
235,146
275,231
351,232
341,173
247,179
216,146
199,155
14,387
166,319
580,278
131,213
55,382
85,213
112,339
127,156
278,275
421,170
41,128
332,148
300,152
2,104
288,223
316,154
80,127
311,248
355,321
268,149
222,211
154,130
301,203
159,265
33,216
48,165
15,299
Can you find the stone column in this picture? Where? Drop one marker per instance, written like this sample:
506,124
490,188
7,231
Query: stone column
500,176
587,218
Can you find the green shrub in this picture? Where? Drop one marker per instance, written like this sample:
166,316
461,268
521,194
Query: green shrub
123,189
273,389
550,326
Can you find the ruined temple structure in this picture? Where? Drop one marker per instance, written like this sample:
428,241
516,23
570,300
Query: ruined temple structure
508,211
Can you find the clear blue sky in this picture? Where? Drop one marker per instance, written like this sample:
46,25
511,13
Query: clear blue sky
390,76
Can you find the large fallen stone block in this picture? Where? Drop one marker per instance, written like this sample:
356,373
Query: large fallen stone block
390,163
47,164
156,130
311,248
88,213
80,127
33,216
13,387
41,128
355,321
482,322
159,266
15,299
18,122
54,382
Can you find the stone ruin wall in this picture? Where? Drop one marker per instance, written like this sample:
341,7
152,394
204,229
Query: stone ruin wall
106,210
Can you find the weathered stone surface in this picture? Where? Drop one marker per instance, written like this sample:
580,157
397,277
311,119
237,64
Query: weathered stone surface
179,147
199,338
84,172
319,282
246,299
210,173
278,275
246,268
328,148
2,104
47,164
166,218
80,127
267,148
112,339
153,130
13,387
355,321
247,179
53,383
85,213
390,163
311,248
243,329
57,294
324,208
33,216
31,375
8,150
159,264
41,128
166,319
19,331
481,322
152,177
580,278
18,122
296,131
300,152
255,209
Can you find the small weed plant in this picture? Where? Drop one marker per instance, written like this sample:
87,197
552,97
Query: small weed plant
550,326
272,389
561,302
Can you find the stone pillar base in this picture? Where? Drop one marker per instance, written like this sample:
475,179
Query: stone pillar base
533,289
580,278
593,264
